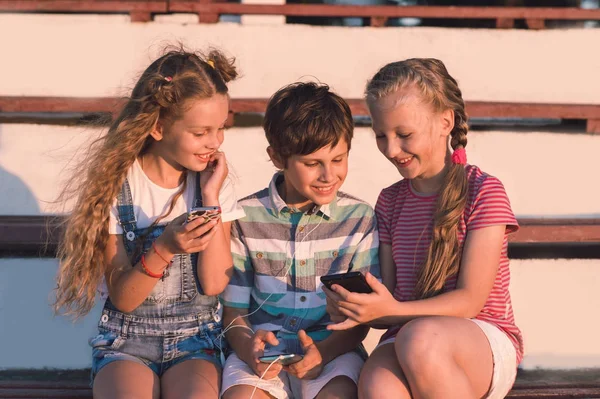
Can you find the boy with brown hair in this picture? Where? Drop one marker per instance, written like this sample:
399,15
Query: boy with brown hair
296,230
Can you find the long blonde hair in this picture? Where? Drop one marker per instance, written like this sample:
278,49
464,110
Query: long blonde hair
161,93
440,91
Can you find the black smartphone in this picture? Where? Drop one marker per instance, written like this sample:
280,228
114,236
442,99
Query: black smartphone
208,213
352,281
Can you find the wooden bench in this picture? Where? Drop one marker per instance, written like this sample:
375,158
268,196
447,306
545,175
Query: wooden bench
530,384
537,238
30,108
210,10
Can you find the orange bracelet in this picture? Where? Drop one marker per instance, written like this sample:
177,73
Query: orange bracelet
160,256
148,272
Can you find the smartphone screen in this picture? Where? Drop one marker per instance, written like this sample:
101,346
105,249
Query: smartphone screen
283,359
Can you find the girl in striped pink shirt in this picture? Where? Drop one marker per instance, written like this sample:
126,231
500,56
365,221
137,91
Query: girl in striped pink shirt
443,251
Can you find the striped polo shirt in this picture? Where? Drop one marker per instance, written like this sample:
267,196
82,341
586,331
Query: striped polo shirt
280,254
405,220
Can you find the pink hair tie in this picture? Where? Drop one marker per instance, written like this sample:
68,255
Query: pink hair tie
459,156
168,78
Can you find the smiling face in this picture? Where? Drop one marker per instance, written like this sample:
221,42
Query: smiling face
188,142
410,134
314,178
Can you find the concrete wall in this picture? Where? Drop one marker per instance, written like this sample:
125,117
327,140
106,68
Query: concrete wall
545,173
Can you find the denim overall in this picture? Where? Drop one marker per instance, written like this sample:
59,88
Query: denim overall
175,323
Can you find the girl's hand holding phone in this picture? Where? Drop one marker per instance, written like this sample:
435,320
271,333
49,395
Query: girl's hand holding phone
212,178
180,237
355,308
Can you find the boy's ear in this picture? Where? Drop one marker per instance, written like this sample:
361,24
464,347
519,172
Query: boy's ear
275,158
157,131
447,122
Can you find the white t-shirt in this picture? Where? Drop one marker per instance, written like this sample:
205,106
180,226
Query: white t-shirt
151,201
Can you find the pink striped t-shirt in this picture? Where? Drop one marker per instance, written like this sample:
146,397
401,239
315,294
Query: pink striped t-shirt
405,219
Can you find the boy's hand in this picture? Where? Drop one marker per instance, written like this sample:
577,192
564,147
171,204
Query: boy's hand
311,366
257,349
187,238
212,178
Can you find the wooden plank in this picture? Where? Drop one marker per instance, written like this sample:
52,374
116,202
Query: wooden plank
39,234
207,10
528,393
447,12
245,105
505,23
535,23
46,394
108,6
60,104
378,22
593,126
140,16
557,231
555,393
41,385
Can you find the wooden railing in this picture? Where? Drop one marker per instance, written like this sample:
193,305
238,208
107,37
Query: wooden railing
479,109
576,237
209,11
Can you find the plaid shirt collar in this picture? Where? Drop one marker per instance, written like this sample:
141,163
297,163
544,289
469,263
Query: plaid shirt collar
278,205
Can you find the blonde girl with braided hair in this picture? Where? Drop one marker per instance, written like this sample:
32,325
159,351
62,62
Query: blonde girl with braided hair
158,333
443,231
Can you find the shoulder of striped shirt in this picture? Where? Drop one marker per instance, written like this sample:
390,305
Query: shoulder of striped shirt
345,199
393,189
479,179
256,199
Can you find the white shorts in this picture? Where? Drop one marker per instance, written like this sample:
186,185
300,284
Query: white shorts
286,386
503,353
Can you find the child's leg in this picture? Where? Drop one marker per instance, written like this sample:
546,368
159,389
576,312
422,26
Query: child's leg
245,392
192,379
337,380
239,382
127,380
447,357
382,377
341,387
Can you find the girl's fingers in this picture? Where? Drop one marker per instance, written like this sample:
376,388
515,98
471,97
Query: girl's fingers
188,227
349,309
345,325
200,244
350,305
347,296
202,229
331,295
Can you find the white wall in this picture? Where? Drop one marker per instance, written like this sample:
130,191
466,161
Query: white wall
545,174
91,55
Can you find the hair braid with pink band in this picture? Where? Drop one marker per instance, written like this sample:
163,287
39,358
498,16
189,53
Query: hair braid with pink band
459,156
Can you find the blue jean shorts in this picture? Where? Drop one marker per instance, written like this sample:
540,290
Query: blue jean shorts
158,343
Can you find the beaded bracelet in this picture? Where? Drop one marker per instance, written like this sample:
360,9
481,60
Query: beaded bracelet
148,272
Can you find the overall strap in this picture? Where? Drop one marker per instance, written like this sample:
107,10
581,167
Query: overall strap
126,213
198,192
